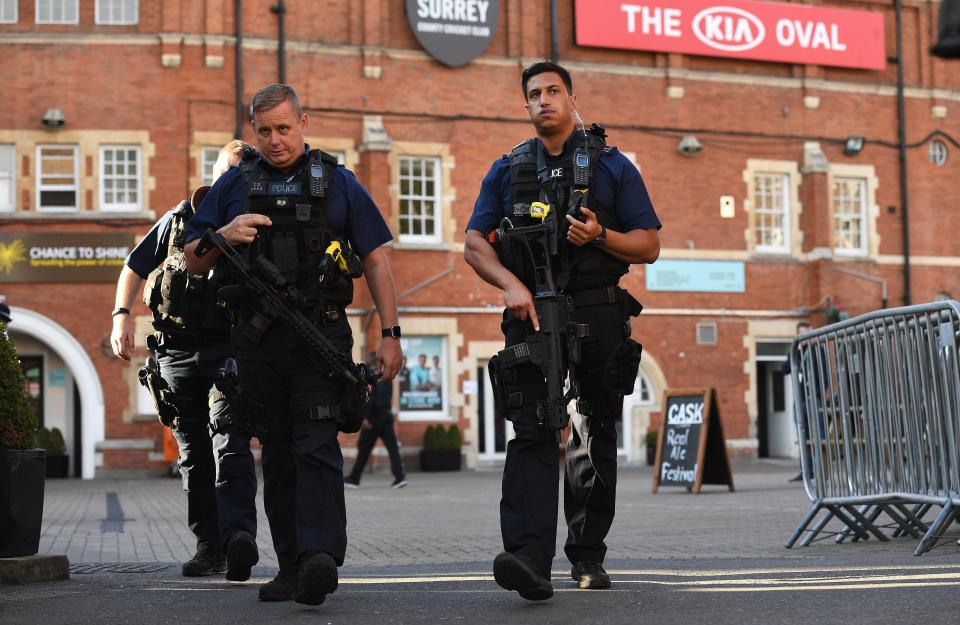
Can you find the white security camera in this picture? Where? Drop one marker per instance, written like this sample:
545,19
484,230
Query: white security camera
53,119
690,145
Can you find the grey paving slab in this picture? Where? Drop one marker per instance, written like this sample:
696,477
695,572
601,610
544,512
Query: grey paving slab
453,517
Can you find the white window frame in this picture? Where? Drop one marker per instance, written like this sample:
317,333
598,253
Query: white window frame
206,177
12,182
64,4
123,22
436,198
120,207
785,213
836,219
5,4
75,187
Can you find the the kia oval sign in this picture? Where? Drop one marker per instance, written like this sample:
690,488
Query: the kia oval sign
763,31
453,31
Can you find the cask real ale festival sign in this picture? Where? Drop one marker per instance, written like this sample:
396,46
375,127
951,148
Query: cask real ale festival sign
690,448
745,29
453,31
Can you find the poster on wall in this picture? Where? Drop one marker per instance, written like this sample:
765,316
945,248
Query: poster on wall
423,380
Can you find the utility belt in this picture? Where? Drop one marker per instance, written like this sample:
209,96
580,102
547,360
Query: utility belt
603,296
517,374
183,341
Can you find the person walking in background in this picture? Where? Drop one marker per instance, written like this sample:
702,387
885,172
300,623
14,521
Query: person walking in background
378,424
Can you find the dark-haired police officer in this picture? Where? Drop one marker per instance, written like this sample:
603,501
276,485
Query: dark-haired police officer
619,227
190,344
287,205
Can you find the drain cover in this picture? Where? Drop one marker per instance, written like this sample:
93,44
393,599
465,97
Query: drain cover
118,567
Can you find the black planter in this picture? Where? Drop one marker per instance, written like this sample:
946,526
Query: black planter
651,454
58,465
21,501
440,460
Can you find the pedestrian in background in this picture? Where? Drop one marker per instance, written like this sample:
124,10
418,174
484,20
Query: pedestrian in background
378,424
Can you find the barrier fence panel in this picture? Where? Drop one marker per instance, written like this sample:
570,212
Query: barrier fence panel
877,404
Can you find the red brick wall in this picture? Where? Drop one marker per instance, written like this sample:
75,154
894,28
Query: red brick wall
477,110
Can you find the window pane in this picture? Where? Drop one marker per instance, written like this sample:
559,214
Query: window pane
418,183
8,11
58,198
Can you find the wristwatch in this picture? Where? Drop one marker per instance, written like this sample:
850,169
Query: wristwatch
120,311
601,238
393,332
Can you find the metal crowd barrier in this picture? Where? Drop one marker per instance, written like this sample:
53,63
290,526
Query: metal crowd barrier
877,401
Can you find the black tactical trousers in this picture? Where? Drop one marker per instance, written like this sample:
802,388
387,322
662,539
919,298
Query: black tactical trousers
302,462
382,428
213,502
528,510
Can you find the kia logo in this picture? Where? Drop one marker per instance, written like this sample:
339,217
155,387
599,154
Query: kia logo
729,29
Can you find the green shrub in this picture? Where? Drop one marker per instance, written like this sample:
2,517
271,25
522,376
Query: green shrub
430,438
452,436
51,440
651,438
17,423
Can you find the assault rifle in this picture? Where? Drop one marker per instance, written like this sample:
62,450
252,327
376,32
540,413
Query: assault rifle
533,250
276,298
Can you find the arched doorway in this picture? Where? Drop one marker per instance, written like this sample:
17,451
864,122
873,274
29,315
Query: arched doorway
59,340
645,399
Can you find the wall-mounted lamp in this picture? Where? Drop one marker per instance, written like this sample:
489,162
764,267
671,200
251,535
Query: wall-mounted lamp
853,146
53,119
690,145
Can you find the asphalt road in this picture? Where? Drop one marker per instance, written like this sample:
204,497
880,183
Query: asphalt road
735,592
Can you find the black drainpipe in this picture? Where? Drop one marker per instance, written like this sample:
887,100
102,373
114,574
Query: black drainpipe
280,10
238,77
554,34
902,147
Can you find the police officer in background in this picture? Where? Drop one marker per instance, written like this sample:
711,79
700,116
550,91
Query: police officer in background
191,343
616,227
286,206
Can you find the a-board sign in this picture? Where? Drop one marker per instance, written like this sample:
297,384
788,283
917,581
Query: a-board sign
690,446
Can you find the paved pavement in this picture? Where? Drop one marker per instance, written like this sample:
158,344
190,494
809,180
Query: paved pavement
423,554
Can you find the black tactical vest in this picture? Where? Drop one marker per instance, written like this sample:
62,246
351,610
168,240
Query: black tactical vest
300,234
185,306
527,185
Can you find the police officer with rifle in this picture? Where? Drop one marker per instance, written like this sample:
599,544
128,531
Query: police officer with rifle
557,222
295,229
190,344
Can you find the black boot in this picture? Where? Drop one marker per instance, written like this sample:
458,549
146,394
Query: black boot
522,574
206,561
283,587
318,577
590,575
242,554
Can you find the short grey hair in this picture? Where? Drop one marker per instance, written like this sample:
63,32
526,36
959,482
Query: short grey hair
273,96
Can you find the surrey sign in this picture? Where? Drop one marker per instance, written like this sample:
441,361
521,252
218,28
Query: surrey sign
763,31
453,31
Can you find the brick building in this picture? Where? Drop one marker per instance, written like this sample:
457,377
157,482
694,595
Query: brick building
113,111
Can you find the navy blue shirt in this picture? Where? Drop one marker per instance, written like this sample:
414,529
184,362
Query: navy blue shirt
151,251
350,209
616,185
